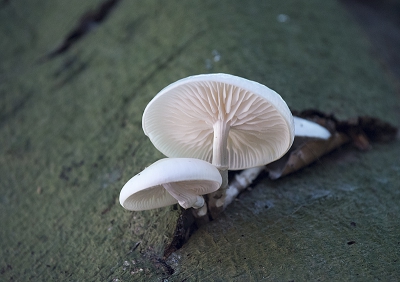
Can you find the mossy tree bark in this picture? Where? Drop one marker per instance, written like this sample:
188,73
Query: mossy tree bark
70,137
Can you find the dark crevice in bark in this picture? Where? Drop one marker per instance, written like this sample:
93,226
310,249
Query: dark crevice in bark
185,226
87,23
4,116
68,71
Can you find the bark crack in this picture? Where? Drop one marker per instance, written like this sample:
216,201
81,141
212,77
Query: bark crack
87,23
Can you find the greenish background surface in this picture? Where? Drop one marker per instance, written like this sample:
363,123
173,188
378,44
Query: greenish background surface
70,137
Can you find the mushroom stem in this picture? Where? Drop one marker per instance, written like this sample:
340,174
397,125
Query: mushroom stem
183,196
220,160
224,175
220,145
216,200
201,215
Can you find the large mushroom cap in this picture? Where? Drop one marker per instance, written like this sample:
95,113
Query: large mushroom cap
180,119
145,190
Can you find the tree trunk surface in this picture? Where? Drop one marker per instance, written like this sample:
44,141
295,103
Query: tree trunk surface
75,77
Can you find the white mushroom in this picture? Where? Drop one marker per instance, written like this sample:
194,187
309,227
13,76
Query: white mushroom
232,122
170,181
306,128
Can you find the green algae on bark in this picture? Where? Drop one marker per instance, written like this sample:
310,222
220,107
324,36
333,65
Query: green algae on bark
70,137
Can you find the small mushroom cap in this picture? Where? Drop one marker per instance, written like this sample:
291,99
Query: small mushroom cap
144,191
180,118
306,128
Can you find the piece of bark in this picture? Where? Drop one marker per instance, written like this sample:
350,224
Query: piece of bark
370,128
304,152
